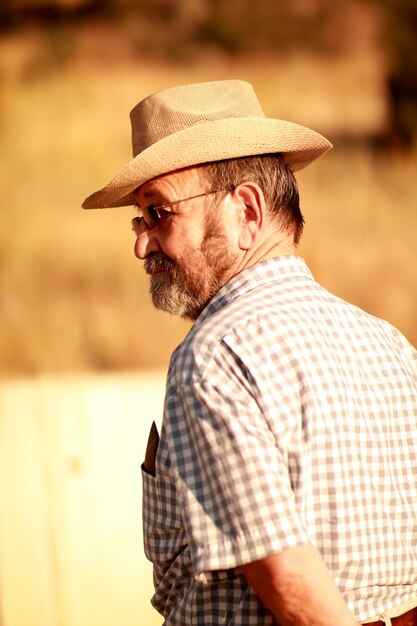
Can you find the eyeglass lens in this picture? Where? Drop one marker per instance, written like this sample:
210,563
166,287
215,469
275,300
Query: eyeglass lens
150,216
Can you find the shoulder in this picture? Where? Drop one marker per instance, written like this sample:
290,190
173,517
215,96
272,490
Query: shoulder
241,320
278,315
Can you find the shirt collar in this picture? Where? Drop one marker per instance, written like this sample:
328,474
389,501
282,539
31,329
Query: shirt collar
271,270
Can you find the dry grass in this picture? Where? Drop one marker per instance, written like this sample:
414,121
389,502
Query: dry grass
362,232
72,295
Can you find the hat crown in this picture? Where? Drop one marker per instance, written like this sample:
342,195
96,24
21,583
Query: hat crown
173,110
201,123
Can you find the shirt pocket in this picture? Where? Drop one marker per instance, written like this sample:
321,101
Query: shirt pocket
165,542
163,528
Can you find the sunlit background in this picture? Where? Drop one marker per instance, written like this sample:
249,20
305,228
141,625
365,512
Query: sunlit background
82,352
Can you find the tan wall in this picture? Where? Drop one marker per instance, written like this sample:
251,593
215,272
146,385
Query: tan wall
70,501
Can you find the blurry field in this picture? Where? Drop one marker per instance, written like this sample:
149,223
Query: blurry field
71,548
73,297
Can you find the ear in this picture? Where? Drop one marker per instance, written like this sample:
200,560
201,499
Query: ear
252,213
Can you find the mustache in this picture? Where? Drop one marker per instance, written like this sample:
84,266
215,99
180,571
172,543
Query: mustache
158,263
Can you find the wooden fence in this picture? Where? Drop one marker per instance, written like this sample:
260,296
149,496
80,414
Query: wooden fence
71,549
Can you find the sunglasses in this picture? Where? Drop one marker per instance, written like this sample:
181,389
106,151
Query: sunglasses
151,215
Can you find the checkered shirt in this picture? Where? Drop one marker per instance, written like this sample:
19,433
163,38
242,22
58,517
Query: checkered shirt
290,417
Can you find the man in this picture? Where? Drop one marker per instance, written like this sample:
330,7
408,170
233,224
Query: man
284,488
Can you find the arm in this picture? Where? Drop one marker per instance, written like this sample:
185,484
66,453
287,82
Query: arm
296,586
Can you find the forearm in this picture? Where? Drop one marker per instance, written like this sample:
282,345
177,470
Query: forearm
296,586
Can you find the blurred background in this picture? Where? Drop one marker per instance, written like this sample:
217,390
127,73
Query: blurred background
82,352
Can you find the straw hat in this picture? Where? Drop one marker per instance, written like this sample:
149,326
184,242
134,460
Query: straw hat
203,122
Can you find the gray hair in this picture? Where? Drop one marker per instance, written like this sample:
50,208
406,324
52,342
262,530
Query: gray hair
275,179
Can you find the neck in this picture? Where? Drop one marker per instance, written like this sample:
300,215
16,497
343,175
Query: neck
267,250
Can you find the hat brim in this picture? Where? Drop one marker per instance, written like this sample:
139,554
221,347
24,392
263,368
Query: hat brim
211,141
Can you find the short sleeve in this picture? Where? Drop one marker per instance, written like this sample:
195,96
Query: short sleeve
232,475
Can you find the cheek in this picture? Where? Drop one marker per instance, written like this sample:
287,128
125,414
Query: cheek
178,242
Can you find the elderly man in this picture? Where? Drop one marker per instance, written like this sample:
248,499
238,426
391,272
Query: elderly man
283,489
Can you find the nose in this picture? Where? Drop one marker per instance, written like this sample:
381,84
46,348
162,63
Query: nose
146,242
